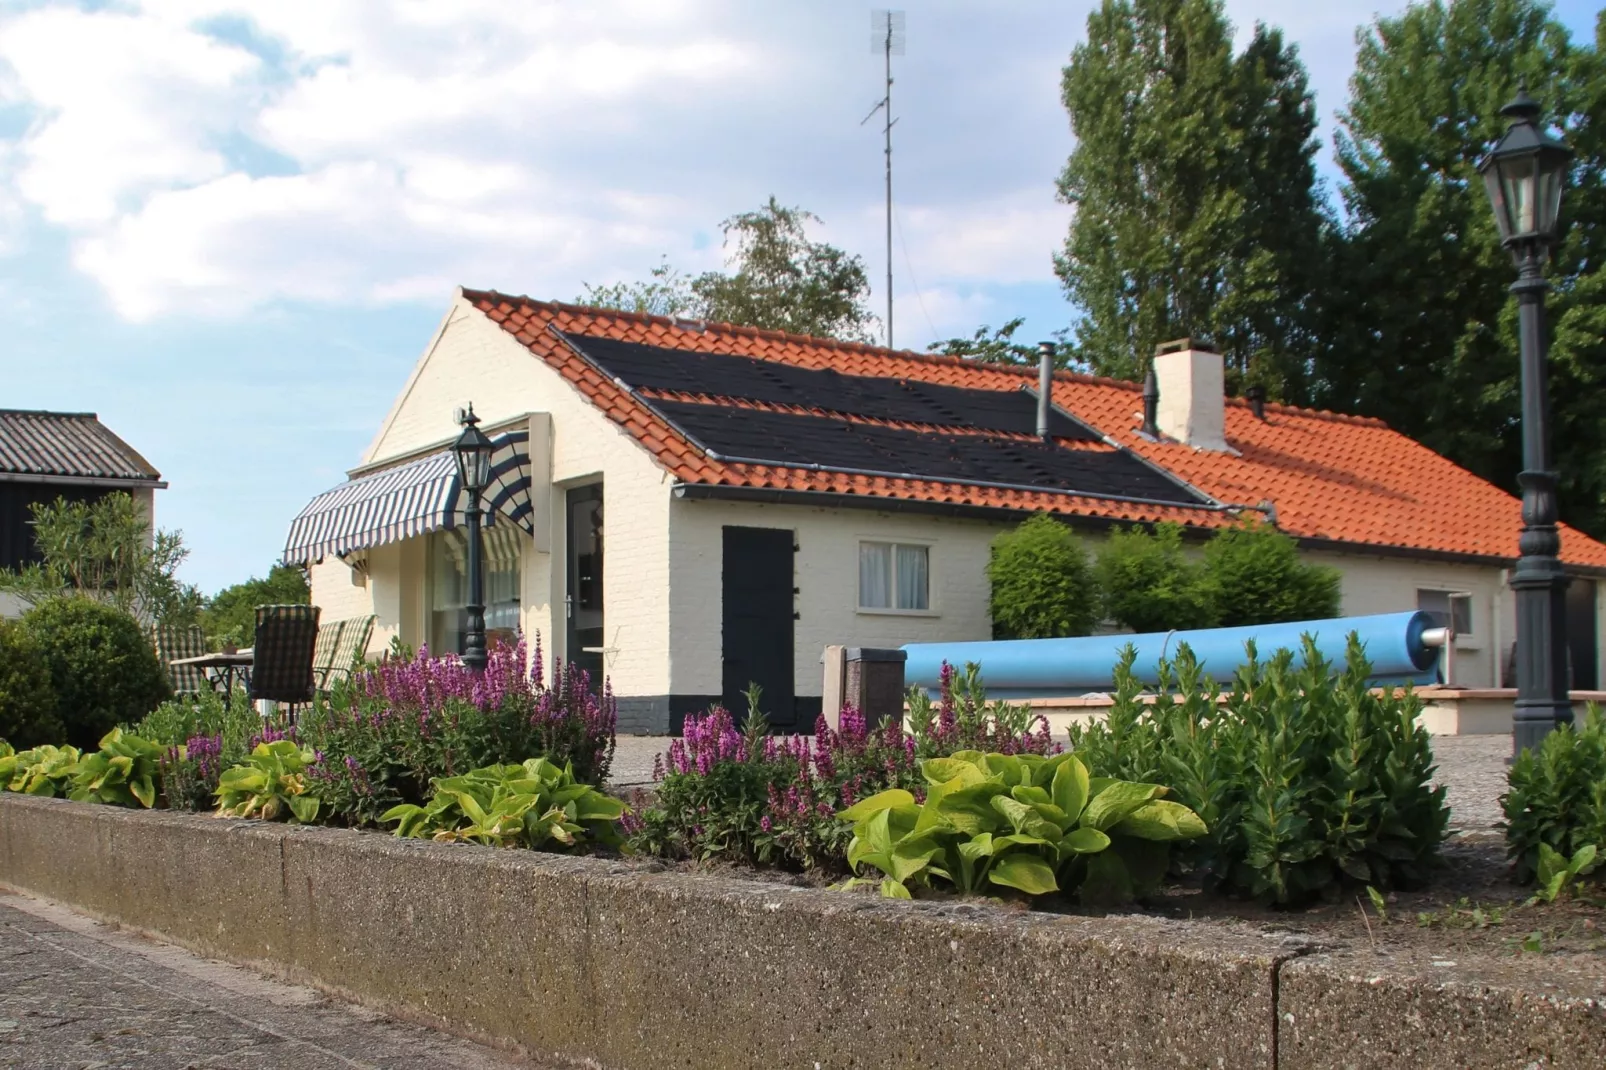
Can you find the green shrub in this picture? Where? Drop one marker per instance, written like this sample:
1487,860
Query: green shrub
1033,823
1556,795
1042,583
536,805
102,667
1258,578
27,700
1149,584
175,721
1307,779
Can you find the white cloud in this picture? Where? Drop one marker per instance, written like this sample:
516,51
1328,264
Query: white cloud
218,155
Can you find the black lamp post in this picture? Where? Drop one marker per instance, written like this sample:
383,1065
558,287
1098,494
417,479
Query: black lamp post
473,451
1524,175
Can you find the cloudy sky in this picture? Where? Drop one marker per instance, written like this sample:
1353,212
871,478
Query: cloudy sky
229,226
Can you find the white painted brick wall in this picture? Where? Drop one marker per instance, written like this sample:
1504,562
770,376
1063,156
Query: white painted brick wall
473,359
827,576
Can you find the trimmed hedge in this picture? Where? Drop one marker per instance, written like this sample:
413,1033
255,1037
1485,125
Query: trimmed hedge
102,668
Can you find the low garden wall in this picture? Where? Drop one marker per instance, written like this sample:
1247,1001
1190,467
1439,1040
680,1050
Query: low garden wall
630,966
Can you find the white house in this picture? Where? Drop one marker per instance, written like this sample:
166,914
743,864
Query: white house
688,507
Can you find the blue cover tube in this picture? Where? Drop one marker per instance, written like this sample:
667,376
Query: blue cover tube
1020,668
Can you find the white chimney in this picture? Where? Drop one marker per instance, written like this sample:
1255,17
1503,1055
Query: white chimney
1193,391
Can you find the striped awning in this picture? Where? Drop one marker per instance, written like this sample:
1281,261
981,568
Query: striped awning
411,499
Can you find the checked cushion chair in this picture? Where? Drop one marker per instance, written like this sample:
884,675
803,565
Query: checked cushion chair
172,642
281,663
341,645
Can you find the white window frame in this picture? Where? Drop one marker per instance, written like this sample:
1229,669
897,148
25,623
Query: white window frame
1470,639
862,541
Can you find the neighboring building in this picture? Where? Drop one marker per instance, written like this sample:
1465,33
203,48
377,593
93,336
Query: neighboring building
49,455
762,495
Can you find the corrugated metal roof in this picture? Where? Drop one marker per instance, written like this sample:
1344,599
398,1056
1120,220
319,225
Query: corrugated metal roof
74,445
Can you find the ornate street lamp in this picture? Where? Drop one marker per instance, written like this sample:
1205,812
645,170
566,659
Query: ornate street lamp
473,451
1524,175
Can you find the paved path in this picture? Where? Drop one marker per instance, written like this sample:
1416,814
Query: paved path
1473,767
76,995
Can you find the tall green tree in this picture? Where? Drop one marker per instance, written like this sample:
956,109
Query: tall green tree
778,278
230,615
1423,331
1197,208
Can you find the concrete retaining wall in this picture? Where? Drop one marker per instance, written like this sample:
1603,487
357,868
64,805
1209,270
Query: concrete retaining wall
632,967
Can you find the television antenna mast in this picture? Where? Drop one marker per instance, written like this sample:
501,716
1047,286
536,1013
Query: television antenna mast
887,37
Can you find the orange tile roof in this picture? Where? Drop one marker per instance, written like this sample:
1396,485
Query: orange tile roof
1330,477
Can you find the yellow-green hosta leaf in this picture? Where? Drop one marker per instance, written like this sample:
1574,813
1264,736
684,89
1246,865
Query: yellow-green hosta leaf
1162,820
1027,872
977,847
881,801
144,791
911,856
943,770
1004,766
304,808
1017,814
891,889
1111,804
1083,841
1070,787
242,778
1031,796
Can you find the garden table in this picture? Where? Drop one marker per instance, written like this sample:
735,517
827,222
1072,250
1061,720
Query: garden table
223,669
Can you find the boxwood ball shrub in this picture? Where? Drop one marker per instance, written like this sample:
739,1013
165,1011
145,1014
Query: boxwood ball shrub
102,668
27,700
1042,583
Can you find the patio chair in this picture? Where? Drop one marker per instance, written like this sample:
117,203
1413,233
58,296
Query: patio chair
281,664
172,642
352,649
324,652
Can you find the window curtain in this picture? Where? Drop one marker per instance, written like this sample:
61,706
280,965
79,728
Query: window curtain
912,579
875,575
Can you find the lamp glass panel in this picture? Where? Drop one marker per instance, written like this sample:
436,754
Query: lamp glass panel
482,467
1550,196
1497,200
1517,175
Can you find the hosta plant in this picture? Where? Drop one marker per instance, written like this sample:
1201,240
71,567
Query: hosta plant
271,784
124,771
1025,821
536,805
40,771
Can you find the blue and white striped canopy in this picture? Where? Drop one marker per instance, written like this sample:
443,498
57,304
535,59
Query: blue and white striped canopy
411,499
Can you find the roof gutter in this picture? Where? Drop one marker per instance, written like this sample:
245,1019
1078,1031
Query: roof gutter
154,482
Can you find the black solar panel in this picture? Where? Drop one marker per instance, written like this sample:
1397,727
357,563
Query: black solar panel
874,397
795,440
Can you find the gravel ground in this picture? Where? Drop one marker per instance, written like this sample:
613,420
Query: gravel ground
75,994
1472,767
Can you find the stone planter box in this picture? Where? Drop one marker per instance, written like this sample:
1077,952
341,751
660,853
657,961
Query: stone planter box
630,966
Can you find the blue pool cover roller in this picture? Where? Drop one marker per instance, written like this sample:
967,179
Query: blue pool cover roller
1033,668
